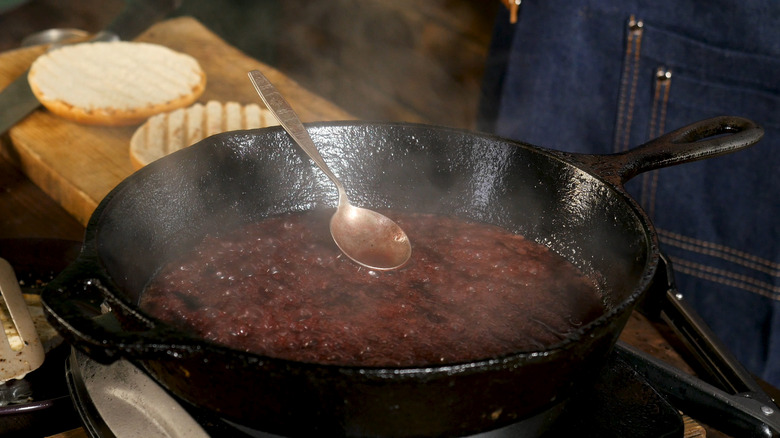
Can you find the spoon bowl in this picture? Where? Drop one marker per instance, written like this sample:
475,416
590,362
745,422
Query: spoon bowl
369,238
365,236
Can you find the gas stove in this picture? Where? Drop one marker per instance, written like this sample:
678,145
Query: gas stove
120,399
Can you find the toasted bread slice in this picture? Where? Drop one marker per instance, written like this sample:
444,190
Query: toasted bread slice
168,132
115,83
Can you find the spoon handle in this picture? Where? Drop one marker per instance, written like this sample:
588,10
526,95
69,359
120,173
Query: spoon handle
289,120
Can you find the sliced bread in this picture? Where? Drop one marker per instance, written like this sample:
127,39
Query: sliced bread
115,83
165,133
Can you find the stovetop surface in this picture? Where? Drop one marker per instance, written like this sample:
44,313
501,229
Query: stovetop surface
620,403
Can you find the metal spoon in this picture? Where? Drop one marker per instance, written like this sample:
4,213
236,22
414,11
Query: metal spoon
53,36
365,236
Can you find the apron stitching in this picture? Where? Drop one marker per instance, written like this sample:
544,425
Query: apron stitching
653,177
662,85
658,112
628,84
645,198
720,251
727,278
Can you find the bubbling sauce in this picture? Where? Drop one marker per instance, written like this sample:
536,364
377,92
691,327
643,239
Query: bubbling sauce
281,288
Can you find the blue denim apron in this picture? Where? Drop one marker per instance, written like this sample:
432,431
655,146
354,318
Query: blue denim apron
603,76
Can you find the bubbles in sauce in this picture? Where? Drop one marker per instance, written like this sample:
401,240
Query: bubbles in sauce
281,288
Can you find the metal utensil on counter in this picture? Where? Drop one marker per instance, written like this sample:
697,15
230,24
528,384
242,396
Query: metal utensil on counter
365,236
17,360
54,36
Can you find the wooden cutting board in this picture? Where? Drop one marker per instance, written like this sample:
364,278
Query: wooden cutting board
77,165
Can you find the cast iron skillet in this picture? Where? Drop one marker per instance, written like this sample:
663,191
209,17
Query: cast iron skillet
573,203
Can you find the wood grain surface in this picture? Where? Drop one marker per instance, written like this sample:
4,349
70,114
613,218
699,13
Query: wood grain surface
77,165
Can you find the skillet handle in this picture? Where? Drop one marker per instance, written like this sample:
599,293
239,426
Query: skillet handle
85,313
704,139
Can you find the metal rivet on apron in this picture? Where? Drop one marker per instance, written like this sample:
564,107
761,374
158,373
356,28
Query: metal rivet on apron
662,74
635,25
